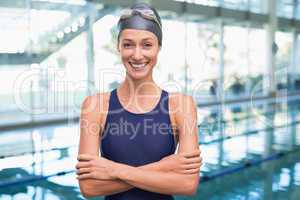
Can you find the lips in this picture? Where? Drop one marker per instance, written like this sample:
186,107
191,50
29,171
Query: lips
138,66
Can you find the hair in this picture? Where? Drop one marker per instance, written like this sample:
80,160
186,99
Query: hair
140,23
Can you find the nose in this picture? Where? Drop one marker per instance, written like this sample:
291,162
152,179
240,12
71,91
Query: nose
137,54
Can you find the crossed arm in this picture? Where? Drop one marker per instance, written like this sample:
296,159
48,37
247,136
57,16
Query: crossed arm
100,176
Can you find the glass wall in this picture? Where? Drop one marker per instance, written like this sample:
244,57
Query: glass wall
257,66
256,6
285,8
293,71
297,9
284,56
235,60
43,61
15,40
48,62
109,71
63,80
296,63
204,61
170,72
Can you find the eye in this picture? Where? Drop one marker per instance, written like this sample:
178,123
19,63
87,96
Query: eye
127,45
147,45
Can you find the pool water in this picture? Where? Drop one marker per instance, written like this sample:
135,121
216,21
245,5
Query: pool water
246,156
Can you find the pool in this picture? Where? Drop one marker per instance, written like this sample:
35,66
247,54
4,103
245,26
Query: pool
246,155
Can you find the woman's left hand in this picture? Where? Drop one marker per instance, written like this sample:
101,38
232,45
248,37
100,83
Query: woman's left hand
95,167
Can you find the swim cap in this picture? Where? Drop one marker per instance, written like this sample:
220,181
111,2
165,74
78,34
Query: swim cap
137,20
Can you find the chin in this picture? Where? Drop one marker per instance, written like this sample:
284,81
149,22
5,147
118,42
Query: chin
137,76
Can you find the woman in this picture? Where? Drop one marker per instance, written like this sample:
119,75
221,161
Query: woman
138,125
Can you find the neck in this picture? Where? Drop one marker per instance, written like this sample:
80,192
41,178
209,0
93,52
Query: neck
139,87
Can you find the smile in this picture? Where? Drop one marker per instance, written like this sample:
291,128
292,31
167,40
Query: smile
138,67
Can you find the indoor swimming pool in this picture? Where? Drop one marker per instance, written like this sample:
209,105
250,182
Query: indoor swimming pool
238,59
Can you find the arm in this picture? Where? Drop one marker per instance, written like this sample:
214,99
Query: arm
168,182
101,171
91,120
91,187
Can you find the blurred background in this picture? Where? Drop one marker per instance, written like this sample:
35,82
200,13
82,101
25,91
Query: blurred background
239,59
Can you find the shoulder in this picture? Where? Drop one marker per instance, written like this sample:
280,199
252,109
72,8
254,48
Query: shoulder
95,105
181,102
183,107
92,102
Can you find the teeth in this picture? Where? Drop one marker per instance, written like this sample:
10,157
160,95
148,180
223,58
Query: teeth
138,65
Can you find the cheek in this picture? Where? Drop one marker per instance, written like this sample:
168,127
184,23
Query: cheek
125,54
153,55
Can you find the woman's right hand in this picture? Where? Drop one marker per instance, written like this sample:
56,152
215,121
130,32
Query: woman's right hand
183,163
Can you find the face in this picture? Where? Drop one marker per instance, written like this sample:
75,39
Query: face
139,50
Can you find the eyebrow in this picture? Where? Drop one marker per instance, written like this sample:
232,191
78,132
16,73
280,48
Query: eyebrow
148,38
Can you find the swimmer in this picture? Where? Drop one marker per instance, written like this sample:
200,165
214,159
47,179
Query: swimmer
138,141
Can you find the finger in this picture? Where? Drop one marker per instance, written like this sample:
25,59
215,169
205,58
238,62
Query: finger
192,166
192,154
83,164
192,171
84,176
85,157
83,171
193,160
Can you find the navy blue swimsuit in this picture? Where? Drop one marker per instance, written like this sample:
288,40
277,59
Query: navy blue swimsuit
137,139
